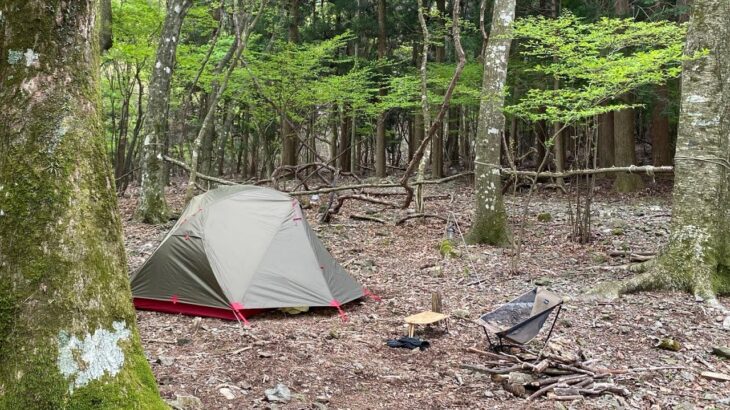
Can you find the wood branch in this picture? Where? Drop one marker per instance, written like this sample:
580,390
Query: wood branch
414,216
367,218
648,169
327,190
201,176
341,200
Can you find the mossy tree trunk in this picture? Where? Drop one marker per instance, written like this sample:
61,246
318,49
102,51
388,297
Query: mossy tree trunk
152,206
67,326
490,220
697,256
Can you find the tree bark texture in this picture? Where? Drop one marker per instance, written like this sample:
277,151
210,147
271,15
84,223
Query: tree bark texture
697,256
661,148
625,151
490,220
68,338
152,206
605,140
288,135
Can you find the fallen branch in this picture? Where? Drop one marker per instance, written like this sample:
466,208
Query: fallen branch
414,216
199,175
367,218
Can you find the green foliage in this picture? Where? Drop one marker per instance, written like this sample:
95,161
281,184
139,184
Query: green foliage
595,63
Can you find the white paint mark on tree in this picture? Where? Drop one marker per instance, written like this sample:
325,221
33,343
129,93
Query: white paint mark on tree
89,359
693,98
31,58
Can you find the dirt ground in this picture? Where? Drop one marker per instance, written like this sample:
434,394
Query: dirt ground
330,364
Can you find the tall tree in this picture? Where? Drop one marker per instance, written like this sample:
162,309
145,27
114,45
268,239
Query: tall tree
697,257
490,219
152,206
623,132
288,135
67,326
661,150
380,128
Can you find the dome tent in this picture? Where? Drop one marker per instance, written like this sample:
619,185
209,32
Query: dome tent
239,249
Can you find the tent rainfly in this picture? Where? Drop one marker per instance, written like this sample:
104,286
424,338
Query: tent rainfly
238,250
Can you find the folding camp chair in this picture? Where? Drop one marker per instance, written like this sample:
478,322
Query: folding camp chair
521,319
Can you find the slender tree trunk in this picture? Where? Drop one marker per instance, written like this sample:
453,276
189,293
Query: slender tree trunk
288,135
227,123
418,130
490,220
68,338
625,151
661,149
345,134
152,206
605,140
243,25
380,169
697,257
437,142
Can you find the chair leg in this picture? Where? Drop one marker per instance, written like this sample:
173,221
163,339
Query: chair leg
411,330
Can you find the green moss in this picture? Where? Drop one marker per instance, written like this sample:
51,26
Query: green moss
491,227
544,217
447,249
721,280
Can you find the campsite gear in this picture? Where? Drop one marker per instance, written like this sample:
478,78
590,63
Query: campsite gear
425,318
237,250
521,319
428,317
408,343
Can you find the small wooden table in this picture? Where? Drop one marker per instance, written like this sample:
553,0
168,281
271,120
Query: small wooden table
425,318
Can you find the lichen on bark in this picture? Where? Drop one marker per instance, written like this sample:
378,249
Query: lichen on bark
697,256
62,262
490,219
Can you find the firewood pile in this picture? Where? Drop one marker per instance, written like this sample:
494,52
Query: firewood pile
557,373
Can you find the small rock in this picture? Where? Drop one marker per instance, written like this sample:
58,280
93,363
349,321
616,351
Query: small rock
460,313
542,281
185,403
280,393
166,360
182,341
488,393
227,393
264,353
684,406
689,376
726,323
721,351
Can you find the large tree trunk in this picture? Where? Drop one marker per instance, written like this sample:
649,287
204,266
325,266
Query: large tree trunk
625,151
68,338
152,206
697,256
490,219
380,168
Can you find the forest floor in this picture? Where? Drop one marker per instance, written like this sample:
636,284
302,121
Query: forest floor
330,364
